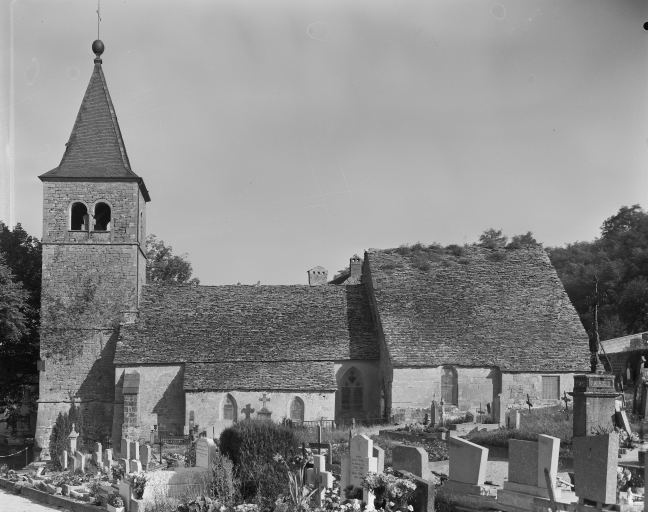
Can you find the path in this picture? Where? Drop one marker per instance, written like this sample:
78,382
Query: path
10,502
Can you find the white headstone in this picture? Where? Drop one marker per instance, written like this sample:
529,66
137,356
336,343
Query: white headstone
205,452
135,466
362,459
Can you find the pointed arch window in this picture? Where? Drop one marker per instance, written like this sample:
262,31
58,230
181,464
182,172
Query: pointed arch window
449,386
102,217
229,408
297,409
352,391
78,217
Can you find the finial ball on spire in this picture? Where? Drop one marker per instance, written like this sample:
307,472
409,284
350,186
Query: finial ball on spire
98,47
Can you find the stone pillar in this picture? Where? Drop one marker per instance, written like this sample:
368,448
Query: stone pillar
594,397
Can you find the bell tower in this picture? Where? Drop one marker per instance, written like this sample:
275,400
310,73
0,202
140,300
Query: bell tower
94,264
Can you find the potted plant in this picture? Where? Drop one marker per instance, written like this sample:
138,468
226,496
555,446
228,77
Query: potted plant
115,503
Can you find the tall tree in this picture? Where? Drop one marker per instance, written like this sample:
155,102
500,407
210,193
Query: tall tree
619,260
13,312
165,267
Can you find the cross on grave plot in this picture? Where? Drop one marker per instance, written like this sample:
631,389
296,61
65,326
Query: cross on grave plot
529,403
566,399
248,410
264,413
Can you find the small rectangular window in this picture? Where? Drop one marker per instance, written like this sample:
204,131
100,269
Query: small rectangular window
550,387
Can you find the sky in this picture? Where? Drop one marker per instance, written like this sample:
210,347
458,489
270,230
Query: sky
277,136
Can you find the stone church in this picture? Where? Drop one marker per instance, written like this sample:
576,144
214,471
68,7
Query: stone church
403,327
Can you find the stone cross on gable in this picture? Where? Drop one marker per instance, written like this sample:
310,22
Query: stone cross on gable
248,410
264,399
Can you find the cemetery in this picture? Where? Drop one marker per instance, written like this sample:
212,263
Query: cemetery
264,465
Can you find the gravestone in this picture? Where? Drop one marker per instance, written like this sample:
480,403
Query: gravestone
134,450
64,460
622,421
205,452
264,413
548,453
467,468
146,454
595,467
594,398
499,410
379,453
523,462
107,457
358,463
527,485
423,498
125,493
248,410
79,462
413,459
318,477
97,455
435,414
125,448
134,466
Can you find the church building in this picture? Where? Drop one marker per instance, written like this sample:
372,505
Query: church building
402,328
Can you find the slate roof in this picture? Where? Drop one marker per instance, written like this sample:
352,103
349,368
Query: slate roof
254,375
503,308
95,150
219,324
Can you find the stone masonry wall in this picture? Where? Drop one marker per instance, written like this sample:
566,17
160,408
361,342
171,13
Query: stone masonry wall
207,406
90,280
370,372
413,389
160,401
515,387
125,200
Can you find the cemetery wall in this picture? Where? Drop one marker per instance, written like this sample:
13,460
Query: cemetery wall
160,400
413,389
370,372
207,406
516,386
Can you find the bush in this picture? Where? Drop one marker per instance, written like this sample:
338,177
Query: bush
61,430
223,483
251,446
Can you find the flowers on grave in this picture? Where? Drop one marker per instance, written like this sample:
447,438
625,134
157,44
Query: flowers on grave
115,500
117,472
392,492
300,493
138,482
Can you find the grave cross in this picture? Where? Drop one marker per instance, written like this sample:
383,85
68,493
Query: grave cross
566,399
248,410
264,399
528,402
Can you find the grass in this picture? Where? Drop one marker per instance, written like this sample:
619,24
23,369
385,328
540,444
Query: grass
551,421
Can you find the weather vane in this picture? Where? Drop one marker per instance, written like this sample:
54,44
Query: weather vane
98,17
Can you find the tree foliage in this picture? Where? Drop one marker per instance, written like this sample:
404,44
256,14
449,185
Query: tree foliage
20,291
165,267
13,311
619,261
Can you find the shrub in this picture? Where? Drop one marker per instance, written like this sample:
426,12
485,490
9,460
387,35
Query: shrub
223,484
115,500
61,430
138,483
251,446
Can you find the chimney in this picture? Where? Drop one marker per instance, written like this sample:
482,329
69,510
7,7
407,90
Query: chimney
355,266
317,276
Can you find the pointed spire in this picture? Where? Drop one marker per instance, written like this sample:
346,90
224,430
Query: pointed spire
96,150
